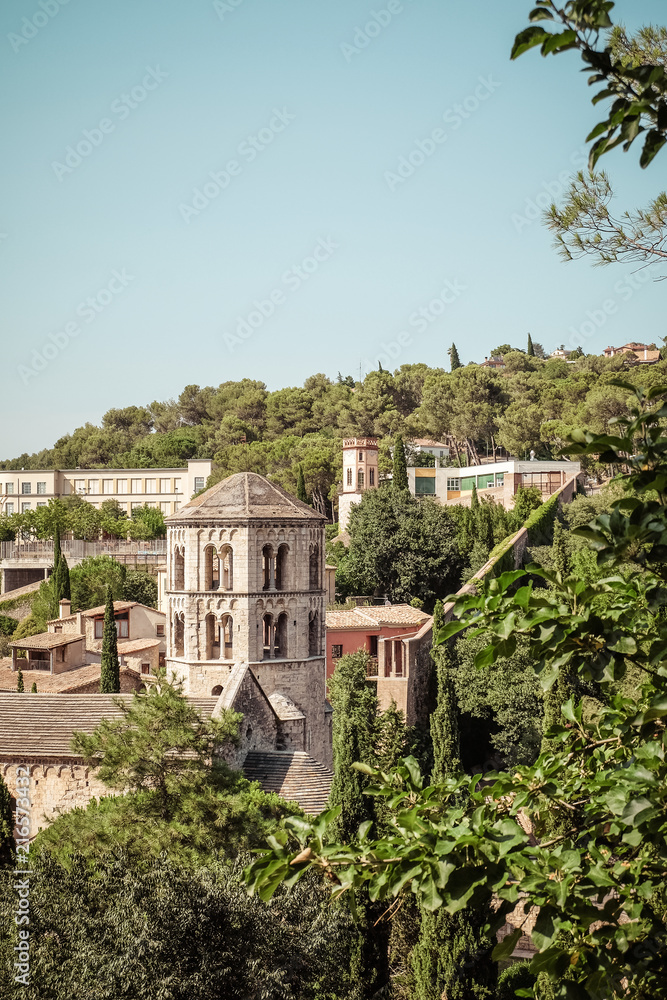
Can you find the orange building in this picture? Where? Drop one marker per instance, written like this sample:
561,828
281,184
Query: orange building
363,628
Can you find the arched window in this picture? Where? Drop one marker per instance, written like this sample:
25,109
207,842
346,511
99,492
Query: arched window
212,638
282,582
227,567
280,639
179,636
360,480
314,567
216,691
268,568
179,569
349,477
227,637
267,636
313,634
211,568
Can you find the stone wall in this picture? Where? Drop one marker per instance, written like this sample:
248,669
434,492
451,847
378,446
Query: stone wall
55,787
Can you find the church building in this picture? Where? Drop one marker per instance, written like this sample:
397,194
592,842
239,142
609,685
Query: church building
246,612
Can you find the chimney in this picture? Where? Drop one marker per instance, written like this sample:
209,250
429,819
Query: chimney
65,607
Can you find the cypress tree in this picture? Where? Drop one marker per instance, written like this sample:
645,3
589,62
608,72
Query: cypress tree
530,351
454,360
301,486
56,548
474,500
559,548
452,956
61,585
7,858
110,668
400,470
33,689
19,682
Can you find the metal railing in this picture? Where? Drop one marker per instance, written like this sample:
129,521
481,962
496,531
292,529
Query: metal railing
78,549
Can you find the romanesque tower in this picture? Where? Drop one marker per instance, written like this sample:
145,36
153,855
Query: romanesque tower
360,472
245,572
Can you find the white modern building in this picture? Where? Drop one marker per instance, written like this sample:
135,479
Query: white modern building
500,479
168,489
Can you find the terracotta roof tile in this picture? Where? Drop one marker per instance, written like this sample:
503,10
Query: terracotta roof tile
376,616
292,774
47,640
135,645
243,495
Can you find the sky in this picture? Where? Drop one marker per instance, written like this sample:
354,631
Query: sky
200,191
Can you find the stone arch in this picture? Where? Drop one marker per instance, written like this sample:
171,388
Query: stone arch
226,563
179,568
314,566
217,690
268,636
212,632
227,637
283,568
268,568
211,568
179,634
314,633
280,642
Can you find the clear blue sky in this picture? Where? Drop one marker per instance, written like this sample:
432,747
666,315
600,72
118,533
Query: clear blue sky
315,128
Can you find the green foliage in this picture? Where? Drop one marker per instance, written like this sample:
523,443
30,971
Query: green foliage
159,743
530,350
540,523
91,579
301,486
401,547
400,471
19,681
454,360
526,500
7,853
514,977
141,587
33,689
29,626
60,585
8,625
110,665
146,522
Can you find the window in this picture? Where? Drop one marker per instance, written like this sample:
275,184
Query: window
349,477
107,486
26,488
453,484
93,486
177,486
42,504
79,485
199,483
165,486
41,489
164,506
10,508
123,628
336,652
145,668
121,486
25,507
60,654
373,645
361,456
371,477
136,486
176,506
58,629
150,486
500,479
441,453
99,628
9,487
360,479
159,629
425,486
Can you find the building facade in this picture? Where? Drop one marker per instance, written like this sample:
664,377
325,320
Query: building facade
360,472
245,602
500,480
167,489
364,628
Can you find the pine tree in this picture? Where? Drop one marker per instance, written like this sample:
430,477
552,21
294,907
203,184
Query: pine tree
400,471
110,668
454,360
452,955
19,682
33,689
301,486
530,350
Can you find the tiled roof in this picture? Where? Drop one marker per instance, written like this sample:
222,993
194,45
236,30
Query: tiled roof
47,640
135,645
91,612
42,725
243,495
48,682
293,774
284,707
376,616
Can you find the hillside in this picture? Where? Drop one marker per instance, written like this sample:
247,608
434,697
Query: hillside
531,404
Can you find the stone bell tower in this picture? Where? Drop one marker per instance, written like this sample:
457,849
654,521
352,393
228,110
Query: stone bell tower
245,593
